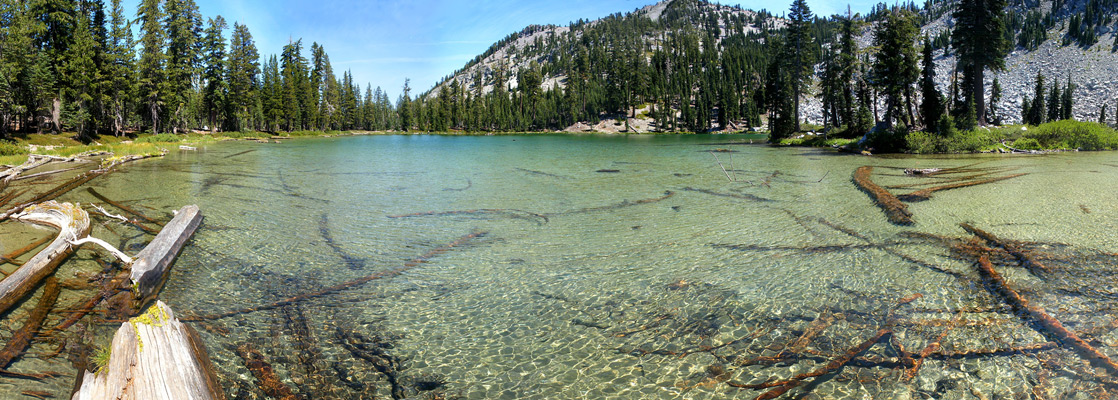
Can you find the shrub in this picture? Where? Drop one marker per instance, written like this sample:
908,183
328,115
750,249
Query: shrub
1026,144
10,148
160,138
953,142
1071,134
887,140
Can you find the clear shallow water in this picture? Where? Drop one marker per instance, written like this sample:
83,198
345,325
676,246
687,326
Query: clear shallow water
594,284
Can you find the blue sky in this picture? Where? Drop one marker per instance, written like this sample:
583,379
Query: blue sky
384,41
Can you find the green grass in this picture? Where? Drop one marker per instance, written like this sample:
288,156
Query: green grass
1069,134
1057,135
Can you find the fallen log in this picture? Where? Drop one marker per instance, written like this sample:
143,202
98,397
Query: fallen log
1031,264
1050,325
778,388
72,222
895,210
21,339
149,270
345,285
122,207
924,194
744,196
152,357
266,378
45,173
11,257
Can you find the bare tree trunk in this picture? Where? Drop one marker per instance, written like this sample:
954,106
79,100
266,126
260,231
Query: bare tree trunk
979,94
56,115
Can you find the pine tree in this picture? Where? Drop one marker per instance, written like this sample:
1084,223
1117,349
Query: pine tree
995,98
1053,108
1102,114
80,73
1067,100
894,66
152,84
1037,107
931,108
800,61
183,26
403,105
848,57
979,41
120,69
213,49
243,68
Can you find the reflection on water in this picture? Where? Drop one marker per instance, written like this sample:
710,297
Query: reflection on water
668,278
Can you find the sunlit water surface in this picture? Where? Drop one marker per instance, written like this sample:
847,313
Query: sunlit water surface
609,266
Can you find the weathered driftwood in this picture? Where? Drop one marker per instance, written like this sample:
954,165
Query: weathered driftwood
152,357
149,270
1050,325
924,194
1027,260
72,222
894,209
21,339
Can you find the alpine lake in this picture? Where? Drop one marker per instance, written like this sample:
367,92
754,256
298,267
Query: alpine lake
616,267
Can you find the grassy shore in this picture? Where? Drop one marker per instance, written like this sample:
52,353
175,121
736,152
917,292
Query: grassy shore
13,152
1066,135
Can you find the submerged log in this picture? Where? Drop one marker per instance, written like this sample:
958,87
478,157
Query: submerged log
894,209
152,357
21,339
1050,325
345,285
72,222
266,378
122,207
149,271
1035,267
924,194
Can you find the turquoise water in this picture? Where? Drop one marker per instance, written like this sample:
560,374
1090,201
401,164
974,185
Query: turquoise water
609,266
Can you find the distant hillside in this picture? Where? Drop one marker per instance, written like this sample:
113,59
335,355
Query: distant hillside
723,50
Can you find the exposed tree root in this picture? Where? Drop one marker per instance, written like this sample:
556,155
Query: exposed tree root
895,210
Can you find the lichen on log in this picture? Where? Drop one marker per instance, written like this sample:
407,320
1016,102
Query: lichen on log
152,357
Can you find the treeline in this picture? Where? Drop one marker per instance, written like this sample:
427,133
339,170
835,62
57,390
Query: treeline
75,65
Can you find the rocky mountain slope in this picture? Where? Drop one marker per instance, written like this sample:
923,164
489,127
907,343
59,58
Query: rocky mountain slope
1093,69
